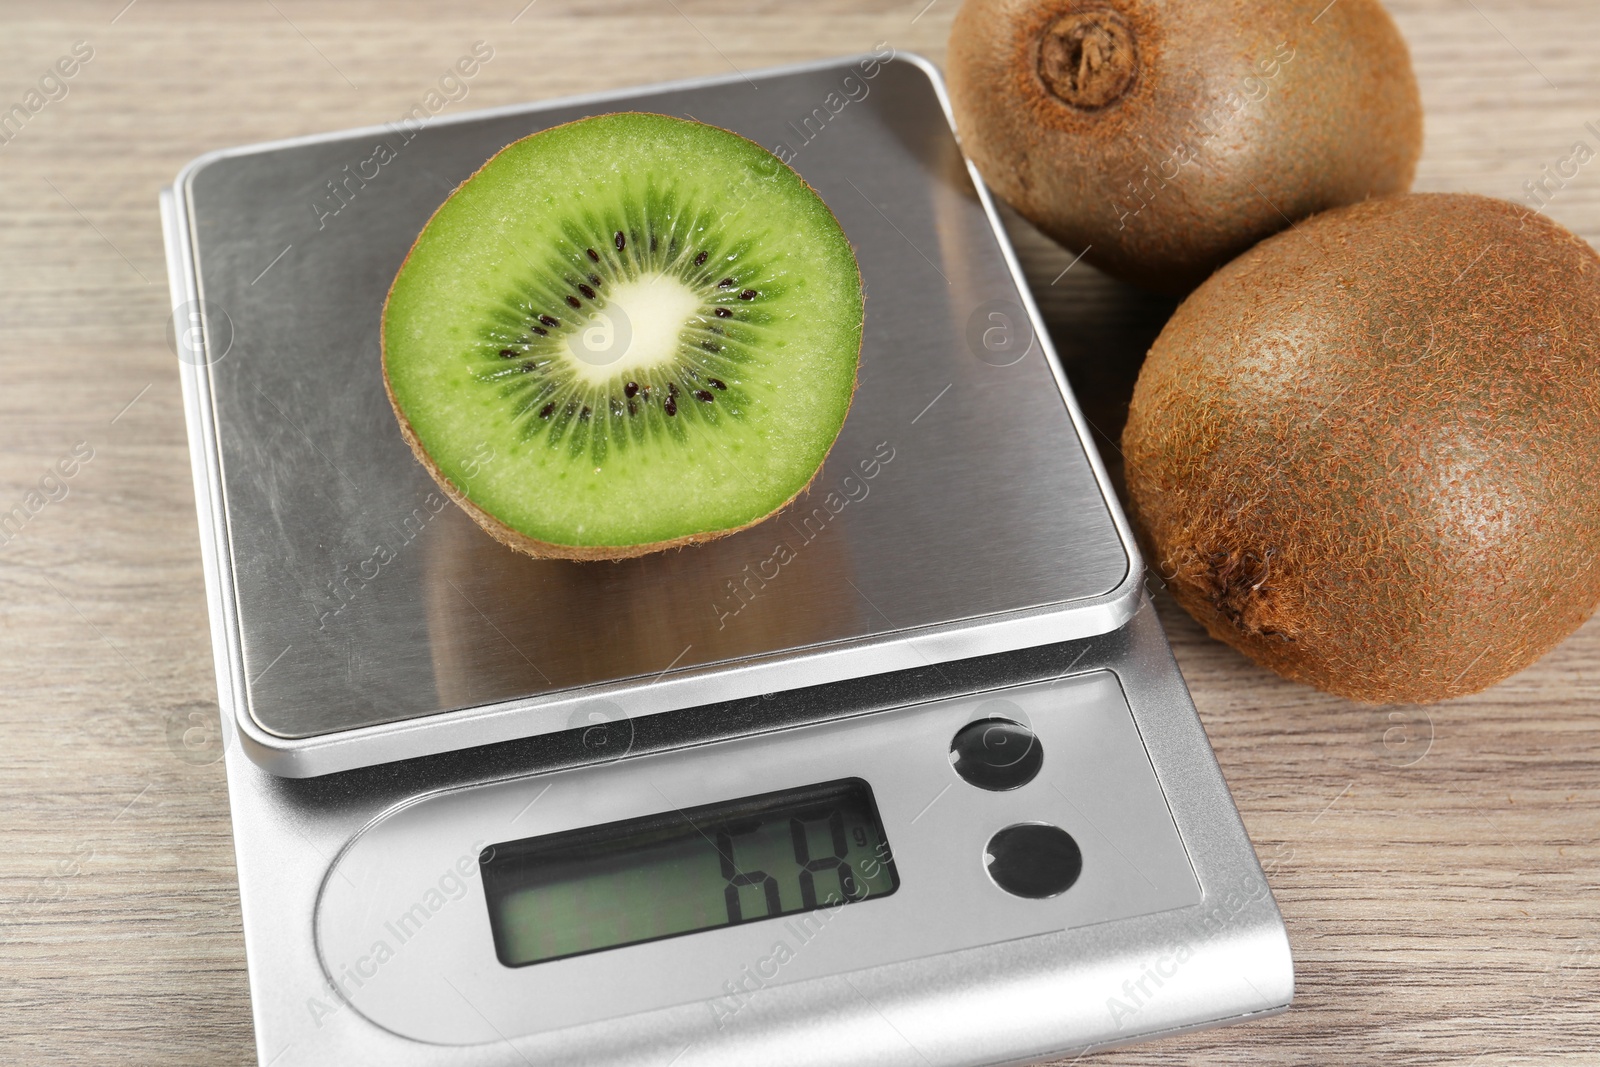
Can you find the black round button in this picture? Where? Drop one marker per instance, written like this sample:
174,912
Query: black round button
996,754
1033,860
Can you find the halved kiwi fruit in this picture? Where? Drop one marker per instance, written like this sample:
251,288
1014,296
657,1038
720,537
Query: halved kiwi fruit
624,334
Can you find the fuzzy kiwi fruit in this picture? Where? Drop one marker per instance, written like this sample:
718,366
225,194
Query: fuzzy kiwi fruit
1161,138
624,334
1366,452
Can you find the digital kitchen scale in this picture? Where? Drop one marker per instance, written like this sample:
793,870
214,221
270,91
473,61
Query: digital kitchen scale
903,775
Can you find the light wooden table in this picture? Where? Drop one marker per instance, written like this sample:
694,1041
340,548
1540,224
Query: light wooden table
1438,869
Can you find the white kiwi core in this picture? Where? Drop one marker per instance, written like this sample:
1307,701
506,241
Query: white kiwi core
637,327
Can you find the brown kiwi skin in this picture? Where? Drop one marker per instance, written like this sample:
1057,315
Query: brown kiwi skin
1338,122
546,549
1365,454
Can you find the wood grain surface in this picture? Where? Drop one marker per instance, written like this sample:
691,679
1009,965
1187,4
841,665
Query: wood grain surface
1439,868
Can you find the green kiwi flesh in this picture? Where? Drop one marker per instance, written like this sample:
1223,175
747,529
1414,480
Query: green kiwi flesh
624,334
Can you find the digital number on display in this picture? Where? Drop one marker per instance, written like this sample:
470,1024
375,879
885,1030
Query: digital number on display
680,872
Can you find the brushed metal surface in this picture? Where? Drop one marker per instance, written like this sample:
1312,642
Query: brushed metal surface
361,610
1222,958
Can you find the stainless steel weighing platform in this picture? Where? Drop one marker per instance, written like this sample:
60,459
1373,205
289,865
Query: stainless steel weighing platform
408,707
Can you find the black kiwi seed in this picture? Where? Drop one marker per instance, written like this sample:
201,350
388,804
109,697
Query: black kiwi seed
550,322
541,331
700,260
630,390
620,241
593,254
724,313
546,411
594,280
586,291
670,407
717,383
574,302
748,294
633,409
726,283
506,353
702,396
585,413
711,346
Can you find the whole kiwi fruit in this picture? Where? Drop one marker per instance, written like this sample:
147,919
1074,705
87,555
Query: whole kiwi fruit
1366,453
1161,138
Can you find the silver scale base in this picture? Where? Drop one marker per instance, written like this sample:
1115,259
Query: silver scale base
397,689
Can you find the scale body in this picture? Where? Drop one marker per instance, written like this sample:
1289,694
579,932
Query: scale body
407,706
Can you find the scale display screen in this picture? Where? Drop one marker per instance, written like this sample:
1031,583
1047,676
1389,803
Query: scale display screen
683,871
